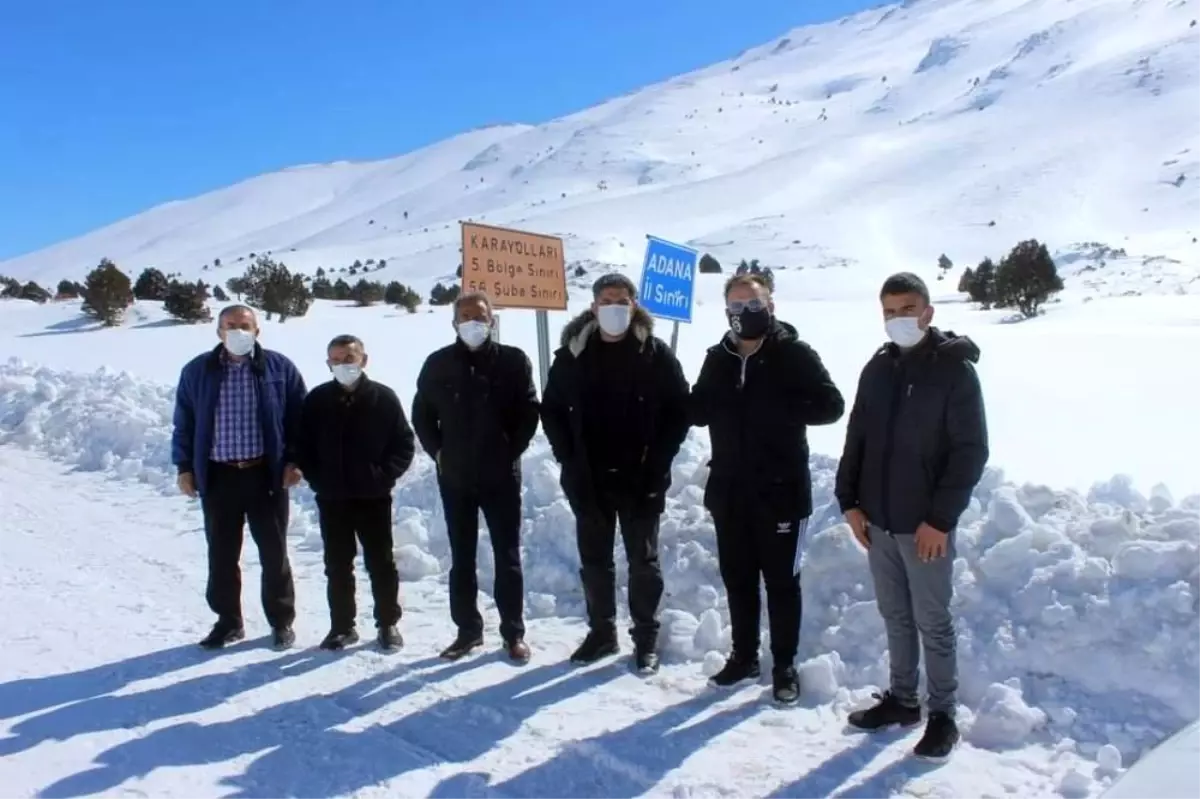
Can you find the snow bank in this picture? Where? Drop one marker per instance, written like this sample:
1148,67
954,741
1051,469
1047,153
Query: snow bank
1077,614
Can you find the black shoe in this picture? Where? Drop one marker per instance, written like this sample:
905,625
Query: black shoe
389,638
785,685
223,634
888,712
463,645
283,637
595,646
645,660
941,734
340,639
736,669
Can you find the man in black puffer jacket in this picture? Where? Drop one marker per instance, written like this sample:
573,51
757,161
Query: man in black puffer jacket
615,413
916,445
758,390
475,412
355,443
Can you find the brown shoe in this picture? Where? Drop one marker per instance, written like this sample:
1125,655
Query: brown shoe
518,650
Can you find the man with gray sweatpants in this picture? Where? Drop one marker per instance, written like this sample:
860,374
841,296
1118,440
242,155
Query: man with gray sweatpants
916,445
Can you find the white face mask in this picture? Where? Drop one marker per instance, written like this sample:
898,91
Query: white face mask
239,342
347,373
614,319
905,331
474,333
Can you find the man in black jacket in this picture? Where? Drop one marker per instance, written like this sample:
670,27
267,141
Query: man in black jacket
475,413
355,444
615,413
916,445
758,390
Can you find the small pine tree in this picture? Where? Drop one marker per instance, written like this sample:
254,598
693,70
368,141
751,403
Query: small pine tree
237,286
322,289
151,284
271,287
402,296
107,293
9,287
341,290
709,265
444,295
67,290
964,282
219,294
458,272
944,266
982,288
35,293
366,292
187,302
1026,278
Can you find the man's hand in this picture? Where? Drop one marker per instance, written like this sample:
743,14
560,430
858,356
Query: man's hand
187,484
291,475
860,526
931,543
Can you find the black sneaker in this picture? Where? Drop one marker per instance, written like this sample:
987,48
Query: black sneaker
283,637
595,646
888,712
785,685
223,634
389,638
340,639
645,660
736,669
941,734
463,645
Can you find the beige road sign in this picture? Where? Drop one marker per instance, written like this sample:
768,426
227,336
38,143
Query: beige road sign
514,268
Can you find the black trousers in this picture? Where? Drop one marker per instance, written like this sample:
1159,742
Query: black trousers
752,542
232,498
501,507
344,524
596,532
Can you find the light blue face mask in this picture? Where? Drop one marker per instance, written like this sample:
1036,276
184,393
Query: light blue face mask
474,333
347,373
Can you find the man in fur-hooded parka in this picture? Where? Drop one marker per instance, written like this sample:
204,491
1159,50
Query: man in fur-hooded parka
615,412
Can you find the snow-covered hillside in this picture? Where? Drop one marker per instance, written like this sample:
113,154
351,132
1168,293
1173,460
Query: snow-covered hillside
878,141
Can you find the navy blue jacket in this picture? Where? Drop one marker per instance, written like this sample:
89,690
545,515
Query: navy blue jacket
281,394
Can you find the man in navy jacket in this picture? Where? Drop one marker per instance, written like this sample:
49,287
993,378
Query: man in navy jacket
237,414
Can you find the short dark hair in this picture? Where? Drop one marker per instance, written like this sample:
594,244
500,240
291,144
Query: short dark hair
236,308
613,280
345,340
904,283
472,296
753,279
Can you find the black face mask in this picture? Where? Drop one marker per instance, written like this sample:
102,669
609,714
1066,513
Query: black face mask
750,325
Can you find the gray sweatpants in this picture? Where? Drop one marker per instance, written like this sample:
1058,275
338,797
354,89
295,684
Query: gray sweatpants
914,597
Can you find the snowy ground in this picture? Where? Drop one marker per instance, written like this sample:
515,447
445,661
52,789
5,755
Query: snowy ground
1078,611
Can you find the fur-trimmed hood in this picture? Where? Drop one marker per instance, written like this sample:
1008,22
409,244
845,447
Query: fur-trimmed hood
579,330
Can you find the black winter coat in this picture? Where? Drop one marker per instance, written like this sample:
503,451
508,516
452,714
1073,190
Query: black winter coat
656,428
758,410
476,412
354,444
916,442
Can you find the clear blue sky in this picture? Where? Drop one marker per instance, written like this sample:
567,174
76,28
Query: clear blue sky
109,108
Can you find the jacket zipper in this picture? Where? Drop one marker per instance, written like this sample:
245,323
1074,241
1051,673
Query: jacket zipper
889,447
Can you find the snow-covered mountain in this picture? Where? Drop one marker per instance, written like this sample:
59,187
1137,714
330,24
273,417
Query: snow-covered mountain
878,141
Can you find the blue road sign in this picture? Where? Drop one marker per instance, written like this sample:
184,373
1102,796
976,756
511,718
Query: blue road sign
668,280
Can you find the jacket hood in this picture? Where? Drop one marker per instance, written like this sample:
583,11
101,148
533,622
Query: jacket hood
948,344
579,330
